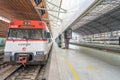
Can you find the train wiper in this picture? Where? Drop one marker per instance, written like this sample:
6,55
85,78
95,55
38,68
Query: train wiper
12,39
24,37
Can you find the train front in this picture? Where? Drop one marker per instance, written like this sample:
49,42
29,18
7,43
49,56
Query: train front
26,42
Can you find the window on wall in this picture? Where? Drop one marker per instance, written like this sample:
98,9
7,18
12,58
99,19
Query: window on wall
38,2
96,35
118,33
115,33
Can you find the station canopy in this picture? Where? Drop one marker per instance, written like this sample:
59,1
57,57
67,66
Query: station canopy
46,10
103,16
83,16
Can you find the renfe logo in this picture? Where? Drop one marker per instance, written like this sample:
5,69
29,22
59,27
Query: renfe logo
24,49
24,44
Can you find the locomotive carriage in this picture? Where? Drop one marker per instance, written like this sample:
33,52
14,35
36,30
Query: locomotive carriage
28,42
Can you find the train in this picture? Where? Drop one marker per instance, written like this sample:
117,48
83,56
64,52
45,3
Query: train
27,42
110,41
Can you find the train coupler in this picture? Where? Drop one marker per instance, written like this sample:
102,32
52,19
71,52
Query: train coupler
22,60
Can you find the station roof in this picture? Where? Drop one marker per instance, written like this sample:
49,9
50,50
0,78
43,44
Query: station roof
55,10
23,10
31,10
18,9
103,16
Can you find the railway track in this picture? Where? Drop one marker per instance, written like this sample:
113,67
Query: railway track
4,73
33,72
1,57
3,64
5,68
19,72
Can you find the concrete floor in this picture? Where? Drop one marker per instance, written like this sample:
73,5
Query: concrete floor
79,63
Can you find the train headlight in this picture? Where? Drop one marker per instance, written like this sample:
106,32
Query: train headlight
8,53
39,53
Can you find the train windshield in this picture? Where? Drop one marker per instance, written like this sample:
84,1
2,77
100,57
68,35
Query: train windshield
26,34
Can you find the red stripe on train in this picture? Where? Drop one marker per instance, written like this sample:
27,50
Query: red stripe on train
26,40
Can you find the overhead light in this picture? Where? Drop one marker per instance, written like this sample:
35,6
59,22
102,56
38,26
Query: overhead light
42,11
37,2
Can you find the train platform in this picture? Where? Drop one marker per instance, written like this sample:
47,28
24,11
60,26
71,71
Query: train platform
110,47
83,63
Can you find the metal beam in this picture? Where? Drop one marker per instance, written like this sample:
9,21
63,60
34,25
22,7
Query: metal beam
86,28
65,11
86,31
53,26
97,2
94,23
81,31
105,25
55,17
60,7
95,14
50,10
49,19
94,28
111,2
55,23
114,18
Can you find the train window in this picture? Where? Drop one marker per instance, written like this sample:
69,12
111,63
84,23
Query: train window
27,34
13,35
44,34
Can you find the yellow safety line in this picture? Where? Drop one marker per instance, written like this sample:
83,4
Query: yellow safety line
72,70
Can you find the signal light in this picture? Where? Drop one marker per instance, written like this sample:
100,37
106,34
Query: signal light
37,2
27,23
41,23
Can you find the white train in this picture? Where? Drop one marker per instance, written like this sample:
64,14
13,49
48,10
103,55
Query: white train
27,42
111,41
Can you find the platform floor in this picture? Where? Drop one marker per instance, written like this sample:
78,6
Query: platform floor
76,64
114,48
